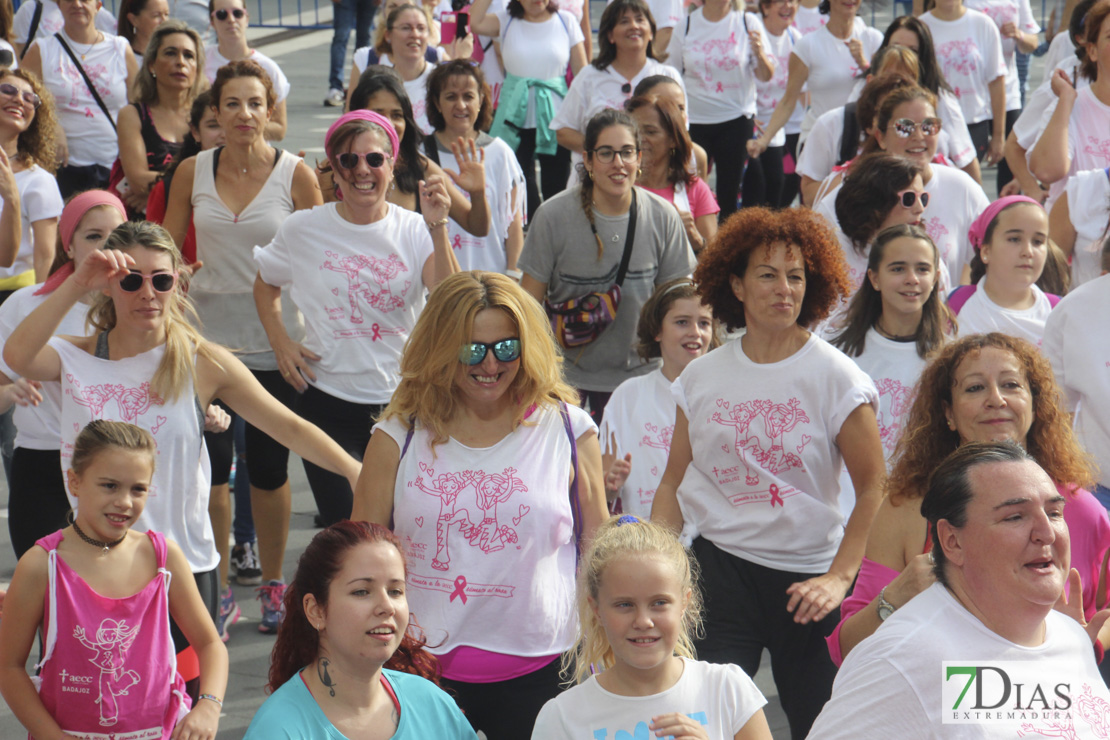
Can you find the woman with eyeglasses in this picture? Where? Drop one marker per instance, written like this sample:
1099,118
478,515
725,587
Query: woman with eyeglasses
378,53
238,195
579,239
490,475
87,143
361,287
625,57
146,363
230,18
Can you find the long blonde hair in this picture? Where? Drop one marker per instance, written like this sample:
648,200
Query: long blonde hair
183,340
430,361
619,537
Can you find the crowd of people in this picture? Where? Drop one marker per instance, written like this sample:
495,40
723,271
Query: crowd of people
609,371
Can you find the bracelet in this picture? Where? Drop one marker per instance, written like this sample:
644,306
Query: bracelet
436,224
514,274
210,697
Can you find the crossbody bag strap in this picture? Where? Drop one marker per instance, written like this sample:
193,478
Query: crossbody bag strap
88,82
575,504
34,28
627,256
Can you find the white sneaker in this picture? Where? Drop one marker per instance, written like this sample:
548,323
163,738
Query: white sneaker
335,98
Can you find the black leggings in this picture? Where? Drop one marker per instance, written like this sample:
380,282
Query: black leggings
727,145
1004,173
37,503
745,612
506,709
208,583
554,169
349,425
791,181
763,180
267,460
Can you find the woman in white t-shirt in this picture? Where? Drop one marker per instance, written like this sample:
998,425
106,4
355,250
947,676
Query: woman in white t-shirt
230,18
969,48
763,426
87,144
50,22
1075,136
720,52
1078,223
829,60
1011,245
538,42
490,476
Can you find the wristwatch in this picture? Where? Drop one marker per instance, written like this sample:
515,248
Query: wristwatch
885,607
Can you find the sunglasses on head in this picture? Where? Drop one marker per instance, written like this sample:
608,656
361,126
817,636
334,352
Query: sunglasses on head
474,353
349,160
905,127
236,13
162,282
10,90
908,197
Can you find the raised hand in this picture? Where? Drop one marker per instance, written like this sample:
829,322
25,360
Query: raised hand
102,268
471,176
435,203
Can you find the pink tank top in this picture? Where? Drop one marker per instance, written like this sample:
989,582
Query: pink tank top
110,669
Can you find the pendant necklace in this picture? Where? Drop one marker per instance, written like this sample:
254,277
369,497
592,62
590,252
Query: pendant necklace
104,546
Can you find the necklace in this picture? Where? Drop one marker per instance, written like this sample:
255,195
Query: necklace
105,546
96,40
893,337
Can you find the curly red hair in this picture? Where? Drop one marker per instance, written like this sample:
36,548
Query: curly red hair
747,230
927,438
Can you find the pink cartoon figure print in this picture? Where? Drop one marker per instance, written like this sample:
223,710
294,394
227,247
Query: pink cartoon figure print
446,487
491,535
131,402
113,640
778,420
894,402
658,437
740,416
381,272
781,418
959,57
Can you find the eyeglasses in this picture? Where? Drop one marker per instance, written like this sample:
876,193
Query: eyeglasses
162,282
236,13
605,154
411,29
908,197
10,90
349,160
505,350
905,127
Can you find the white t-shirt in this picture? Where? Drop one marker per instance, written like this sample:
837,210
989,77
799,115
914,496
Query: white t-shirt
213,60
762,484
768,94
1077,343
1020,14
893,684
718,63
981,315
808,20
1030,124
955,201
1089,210
51,21
832,69
1060,49
38,427
1088,138
360,289
667,13
538,50
39,199
89,134
720,697
640,419
503,173
970,54
491,529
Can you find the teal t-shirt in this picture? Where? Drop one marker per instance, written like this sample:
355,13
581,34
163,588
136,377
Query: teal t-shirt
426,712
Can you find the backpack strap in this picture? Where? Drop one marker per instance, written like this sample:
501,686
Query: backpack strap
958,297
431,149
34,28
575,504
849,140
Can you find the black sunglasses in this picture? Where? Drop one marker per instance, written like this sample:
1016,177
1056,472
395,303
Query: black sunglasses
474,353
162,282
349,160
236,13
7,88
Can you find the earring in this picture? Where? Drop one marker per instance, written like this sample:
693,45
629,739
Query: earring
590,174
153,75
639,172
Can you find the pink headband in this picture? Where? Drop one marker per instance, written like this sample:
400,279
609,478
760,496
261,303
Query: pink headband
372,117
978,230
81,204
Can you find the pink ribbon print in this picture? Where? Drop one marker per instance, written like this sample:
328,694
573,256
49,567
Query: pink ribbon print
776,498
460,588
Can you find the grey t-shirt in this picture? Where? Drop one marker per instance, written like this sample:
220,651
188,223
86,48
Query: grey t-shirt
561,251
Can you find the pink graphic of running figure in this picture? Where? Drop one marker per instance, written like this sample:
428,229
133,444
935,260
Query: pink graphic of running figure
134,402
899,397
446,486
1095,712
1098,148
740,416
492,490
93,397
113,640
780,419
959,56
381,272
1064,729
661,439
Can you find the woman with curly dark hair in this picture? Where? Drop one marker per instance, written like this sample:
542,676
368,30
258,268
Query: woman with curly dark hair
982,388
345,658
28,190
763,427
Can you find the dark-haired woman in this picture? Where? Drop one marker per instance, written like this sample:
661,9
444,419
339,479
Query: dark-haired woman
721,55
666,168
828,60
538,42
138,19
577,241
754,464
329,674
625,57
459,109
